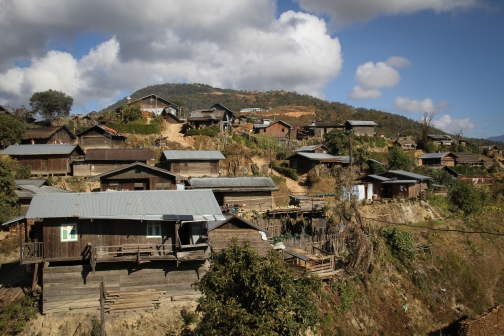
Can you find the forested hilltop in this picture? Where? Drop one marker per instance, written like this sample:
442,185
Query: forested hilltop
198,96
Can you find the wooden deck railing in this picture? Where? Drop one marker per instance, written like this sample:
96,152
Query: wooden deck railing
32,252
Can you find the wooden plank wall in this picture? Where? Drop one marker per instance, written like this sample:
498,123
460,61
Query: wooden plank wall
45,164
99,233
257,200
196,168
221,238
363,130
76,288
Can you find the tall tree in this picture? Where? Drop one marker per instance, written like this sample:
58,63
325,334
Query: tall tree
11,130
246,294
51,103
337,142
130,113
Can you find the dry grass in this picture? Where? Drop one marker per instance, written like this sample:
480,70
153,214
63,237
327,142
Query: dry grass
9,250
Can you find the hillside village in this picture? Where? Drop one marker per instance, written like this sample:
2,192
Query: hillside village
138,198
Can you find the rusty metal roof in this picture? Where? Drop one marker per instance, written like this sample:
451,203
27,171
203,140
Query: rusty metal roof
121,154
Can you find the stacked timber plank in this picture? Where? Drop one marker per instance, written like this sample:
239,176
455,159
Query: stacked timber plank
67,288
9,295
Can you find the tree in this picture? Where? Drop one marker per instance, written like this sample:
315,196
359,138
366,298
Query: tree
398,159
51,103
378,168
11,130
337,142
130,113
8,197
465,196
361,155
246,294
426,122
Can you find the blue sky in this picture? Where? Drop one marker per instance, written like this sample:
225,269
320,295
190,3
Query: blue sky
401,56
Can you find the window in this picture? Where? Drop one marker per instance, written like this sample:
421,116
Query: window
294,164
153,230
69,232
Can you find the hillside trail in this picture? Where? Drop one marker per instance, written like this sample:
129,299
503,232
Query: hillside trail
172,132
292,185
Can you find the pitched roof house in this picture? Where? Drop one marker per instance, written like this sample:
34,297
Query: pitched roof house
48,135
467,159
361,127
98,161
406,144
312,149
192,163
278,129
25,189
145,245
319,128
252,193
441,158
46,159
138,176
217,114
100,136
440,140
155,104
303,162
394,184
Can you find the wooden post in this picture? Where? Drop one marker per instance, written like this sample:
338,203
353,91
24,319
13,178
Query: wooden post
20,243
34,281
102,307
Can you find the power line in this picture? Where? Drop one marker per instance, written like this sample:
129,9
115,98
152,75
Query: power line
435,229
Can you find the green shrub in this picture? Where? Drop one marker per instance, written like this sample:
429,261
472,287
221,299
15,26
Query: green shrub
312,179
401,243
466,197
288,172
15,315
154,128
278,179
211,131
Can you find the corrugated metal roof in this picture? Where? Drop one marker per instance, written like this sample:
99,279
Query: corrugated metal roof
44,190
102,128
323,156
378,177
13,220
361,123
8,109
232,182
261,125
434,155
39,149
174,155
399,181
408,174
207,114
37,183
308,148
147,205
326,124
121,154
215,224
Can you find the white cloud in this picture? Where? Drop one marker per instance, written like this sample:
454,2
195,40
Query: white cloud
419,106
372,77
234,45
344,12
449,125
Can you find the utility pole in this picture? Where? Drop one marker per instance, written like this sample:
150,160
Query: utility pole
351,153
102,307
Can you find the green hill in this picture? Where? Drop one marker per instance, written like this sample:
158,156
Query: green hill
198,96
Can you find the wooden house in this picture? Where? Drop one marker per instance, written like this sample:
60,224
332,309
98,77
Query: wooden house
25,189
210,117
192,163
319,128
138,176
48,135
405,144
46,159
98,161
440,140
221,233
171,118
312,149
394,184
361,127
303,162
467,159
251,193
147,246
4,109
155,105
100,136
229,115
278,129
442,158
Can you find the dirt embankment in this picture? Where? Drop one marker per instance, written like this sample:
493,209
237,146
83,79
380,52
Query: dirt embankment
402,212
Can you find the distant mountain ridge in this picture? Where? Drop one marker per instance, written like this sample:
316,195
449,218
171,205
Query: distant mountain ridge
199,96
497,138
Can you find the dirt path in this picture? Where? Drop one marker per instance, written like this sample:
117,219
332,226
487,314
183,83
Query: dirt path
292,185
173,134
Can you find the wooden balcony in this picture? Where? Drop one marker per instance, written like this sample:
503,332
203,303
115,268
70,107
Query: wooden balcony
32,253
